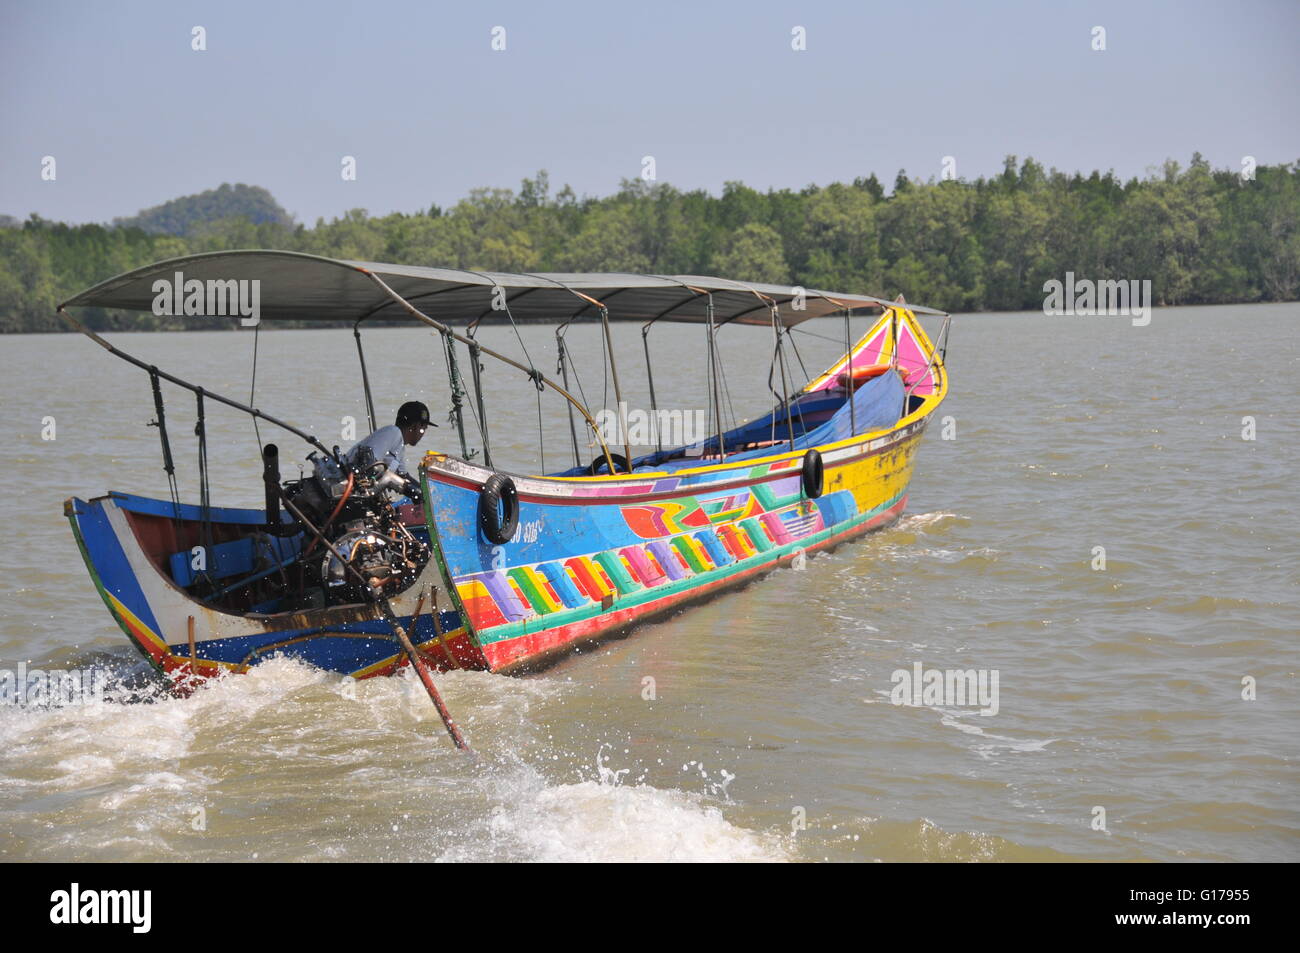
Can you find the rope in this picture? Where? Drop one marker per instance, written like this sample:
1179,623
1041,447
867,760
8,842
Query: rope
802,366
577,379
473,412
562,369
814,334
798,408
771,372
785,391
726,388
534,374
457,414
778,359
541,440
477,368
169,465
252,387
205,499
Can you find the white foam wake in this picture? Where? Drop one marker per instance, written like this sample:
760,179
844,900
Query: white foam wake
592,821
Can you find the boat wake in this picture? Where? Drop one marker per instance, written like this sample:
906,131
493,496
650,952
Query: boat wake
534,820
291,762
928,522
920,537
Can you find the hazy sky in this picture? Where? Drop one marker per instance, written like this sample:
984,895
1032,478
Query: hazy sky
713,91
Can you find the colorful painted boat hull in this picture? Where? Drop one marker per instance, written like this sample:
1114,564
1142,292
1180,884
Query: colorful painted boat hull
155,613
591,555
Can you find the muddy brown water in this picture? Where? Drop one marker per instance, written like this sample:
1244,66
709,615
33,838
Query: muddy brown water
760,725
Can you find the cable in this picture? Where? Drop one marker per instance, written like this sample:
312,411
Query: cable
205,498
169,465
252,387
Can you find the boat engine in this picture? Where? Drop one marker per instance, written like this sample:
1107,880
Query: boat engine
388,560
352,508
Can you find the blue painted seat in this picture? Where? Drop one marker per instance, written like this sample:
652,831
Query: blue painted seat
241,557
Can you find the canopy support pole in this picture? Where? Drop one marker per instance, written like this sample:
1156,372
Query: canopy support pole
713,378
563,367
365,378
943,338
893,336
785,387
650,378
618,392
533,373
476,368
848,385
934,364
77,325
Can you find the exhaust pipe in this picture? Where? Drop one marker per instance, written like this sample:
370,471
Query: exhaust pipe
271,480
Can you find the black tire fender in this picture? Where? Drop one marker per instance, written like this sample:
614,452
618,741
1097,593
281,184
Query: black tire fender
620,464
498,508
814,475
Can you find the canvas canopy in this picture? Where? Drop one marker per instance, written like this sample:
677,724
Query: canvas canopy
294,286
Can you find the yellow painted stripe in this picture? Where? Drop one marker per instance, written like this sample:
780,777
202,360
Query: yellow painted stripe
137,626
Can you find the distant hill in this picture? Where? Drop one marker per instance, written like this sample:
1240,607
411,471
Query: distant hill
184,215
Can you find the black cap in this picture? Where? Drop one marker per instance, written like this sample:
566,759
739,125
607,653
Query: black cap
413,412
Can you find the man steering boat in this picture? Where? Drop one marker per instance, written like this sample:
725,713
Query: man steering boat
388,445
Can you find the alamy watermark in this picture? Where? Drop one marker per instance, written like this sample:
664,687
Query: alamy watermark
950,688
1087,297
55,688
216,297
642,428
132,908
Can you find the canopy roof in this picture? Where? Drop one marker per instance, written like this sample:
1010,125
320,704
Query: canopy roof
300,287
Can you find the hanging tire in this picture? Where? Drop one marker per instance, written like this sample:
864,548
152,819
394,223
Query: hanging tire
498,508
600,463
813,474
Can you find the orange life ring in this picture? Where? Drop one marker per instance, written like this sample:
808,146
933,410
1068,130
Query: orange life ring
861,374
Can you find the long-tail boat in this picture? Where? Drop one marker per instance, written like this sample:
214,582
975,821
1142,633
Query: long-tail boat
490,569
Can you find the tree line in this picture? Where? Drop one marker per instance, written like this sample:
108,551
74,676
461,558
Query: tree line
1200,235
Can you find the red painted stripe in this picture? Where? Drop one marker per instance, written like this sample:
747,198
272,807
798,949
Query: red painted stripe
585,580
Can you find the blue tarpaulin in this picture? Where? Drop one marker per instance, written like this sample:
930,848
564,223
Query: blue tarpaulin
877,404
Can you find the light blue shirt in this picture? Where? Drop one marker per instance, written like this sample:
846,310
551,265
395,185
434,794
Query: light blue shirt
387,445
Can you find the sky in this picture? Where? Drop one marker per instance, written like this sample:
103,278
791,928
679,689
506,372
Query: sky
715,92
